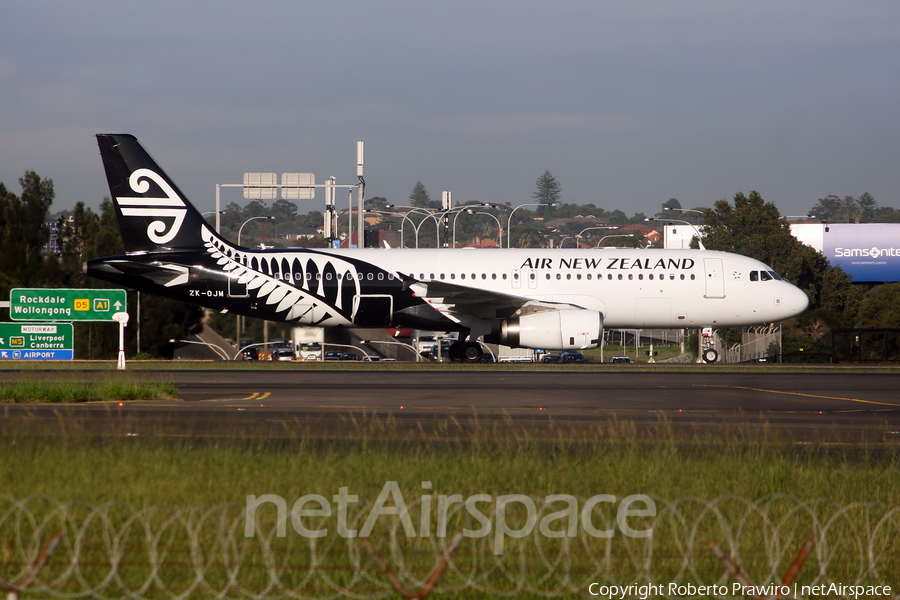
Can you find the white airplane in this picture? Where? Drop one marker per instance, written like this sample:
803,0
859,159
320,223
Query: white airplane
530,298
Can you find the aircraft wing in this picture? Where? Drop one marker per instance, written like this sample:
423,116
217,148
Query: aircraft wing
459,301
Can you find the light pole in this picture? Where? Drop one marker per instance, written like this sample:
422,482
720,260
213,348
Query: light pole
218,349
343,346
578,237
241,351
247,221
613,236
688,223
407,346
494,217
509,220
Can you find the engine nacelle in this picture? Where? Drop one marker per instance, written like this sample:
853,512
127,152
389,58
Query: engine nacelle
573,329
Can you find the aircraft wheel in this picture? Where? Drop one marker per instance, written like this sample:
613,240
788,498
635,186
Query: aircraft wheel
471,352
710,355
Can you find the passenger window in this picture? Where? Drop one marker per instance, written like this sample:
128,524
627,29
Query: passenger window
484,275
578,276
609,276
531,276
452,275
369,276
462,276
671,276
650,277
473,276
568,276
641,276
516,276
682,276
493,276
328,276
558,276
504,277
692,276
381,277
548,275
442,275
630,277
754,275
588,276
421,275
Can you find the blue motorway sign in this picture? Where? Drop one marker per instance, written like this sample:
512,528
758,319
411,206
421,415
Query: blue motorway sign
36,341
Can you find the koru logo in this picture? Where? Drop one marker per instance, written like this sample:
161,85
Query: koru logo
171,206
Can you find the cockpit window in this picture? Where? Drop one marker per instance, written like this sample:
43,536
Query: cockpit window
754,275
774,275
764,276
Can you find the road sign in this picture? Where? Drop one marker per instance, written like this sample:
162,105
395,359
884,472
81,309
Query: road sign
65,304
36,341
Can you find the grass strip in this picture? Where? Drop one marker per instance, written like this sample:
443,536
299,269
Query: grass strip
72,391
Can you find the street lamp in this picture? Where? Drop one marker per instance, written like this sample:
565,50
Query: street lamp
613,236
688,223
343,346
509,220
494,217
407,346
578,235
247,221
218,349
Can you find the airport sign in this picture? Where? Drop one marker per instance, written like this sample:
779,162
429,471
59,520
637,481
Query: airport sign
36,341
28,304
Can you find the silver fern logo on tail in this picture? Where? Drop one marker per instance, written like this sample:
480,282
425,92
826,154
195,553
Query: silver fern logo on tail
170,207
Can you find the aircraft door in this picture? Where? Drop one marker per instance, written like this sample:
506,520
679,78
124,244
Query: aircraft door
715,280
236,289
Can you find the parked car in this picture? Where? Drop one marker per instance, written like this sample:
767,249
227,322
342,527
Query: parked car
251,353
334,355
349,356
368,358
550,358
571,357
282,354
620,359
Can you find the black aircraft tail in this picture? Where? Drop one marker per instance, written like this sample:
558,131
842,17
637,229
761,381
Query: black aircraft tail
153,213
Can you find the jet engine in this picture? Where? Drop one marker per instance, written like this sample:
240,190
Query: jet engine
573,329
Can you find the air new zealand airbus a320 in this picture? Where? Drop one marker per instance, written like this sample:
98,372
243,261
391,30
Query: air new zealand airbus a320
531,298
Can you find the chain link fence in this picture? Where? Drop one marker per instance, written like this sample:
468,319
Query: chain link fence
113,550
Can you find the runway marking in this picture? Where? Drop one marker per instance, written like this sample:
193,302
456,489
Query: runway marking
741,387
251,396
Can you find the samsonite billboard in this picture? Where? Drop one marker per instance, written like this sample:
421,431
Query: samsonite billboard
868,252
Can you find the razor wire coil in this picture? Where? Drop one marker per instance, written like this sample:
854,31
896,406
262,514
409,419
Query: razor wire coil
114,550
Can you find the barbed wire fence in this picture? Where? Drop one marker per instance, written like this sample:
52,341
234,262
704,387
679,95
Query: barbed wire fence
114,550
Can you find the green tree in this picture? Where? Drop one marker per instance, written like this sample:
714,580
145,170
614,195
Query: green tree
672,203
755,228
867,207
827,208
419,197
549,190
22,229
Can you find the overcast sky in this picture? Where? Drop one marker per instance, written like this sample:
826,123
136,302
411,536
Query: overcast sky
627,103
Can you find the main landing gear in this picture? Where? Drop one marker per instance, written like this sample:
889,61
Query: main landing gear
469,352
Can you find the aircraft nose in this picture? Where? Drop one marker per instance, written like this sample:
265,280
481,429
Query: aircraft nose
796,300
